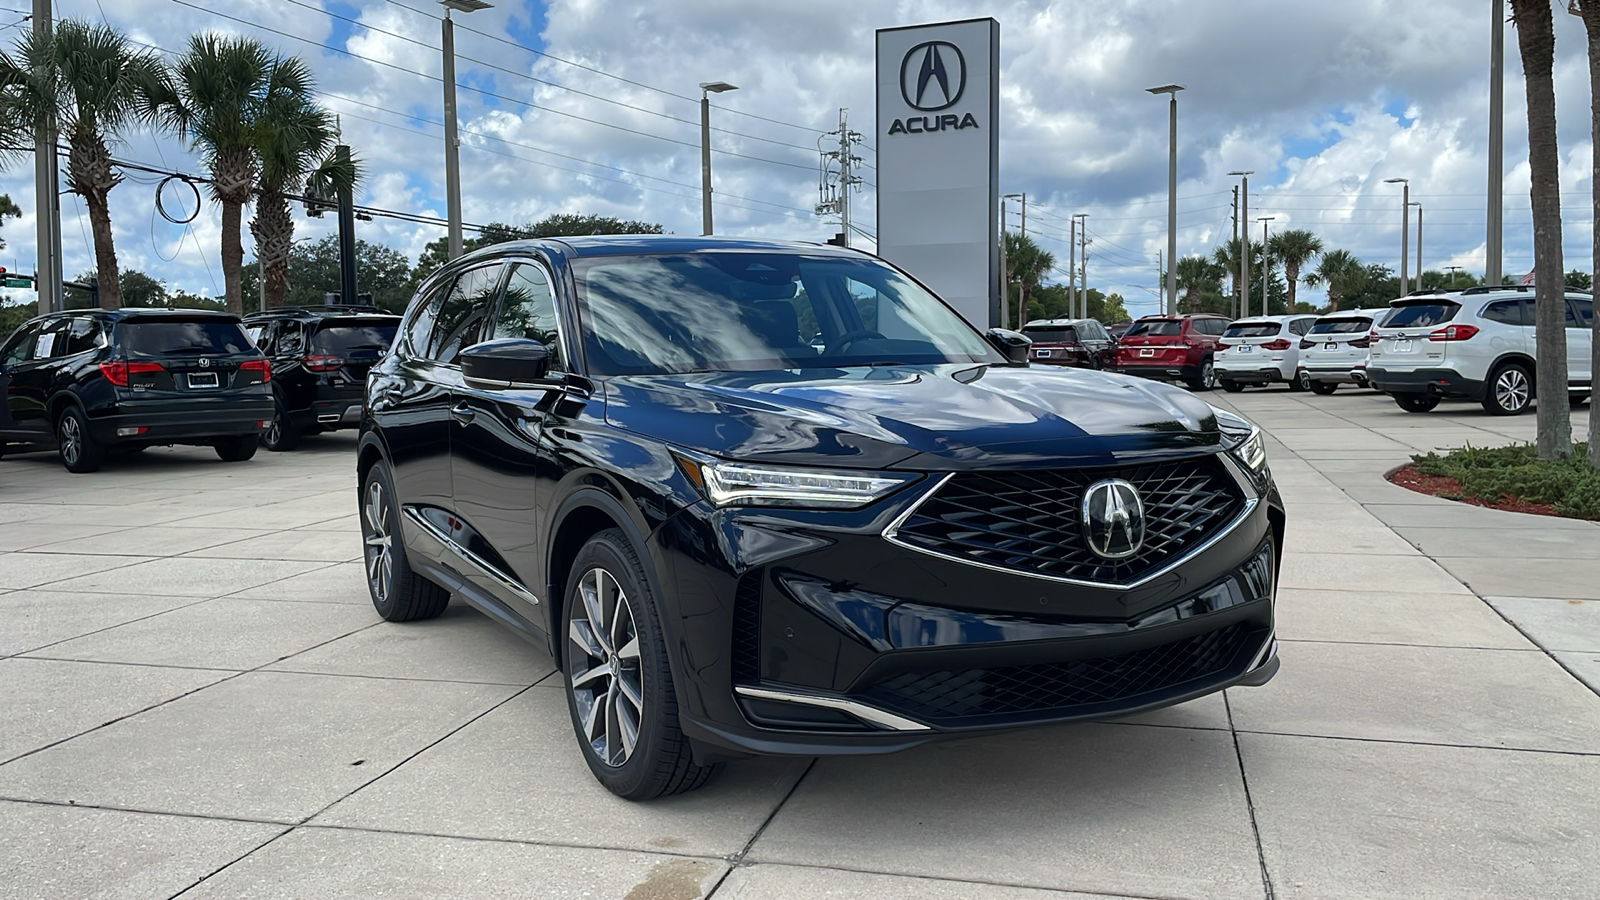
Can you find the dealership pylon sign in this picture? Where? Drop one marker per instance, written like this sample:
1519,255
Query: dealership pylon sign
938,141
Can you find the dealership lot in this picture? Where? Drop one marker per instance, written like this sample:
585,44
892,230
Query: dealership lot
196,697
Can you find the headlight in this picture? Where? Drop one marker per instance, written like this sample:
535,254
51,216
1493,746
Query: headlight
740,484
1242,438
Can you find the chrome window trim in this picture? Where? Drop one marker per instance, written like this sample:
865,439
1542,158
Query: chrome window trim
862,711
891,534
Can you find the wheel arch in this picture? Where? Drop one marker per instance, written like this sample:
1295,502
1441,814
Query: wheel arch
1527,362
595,505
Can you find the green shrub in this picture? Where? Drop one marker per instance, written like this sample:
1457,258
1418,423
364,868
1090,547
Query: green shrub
1490,473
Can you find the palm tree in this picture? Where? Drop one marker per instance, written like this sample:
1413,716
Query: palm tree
1026,263
1589,11
1197,275
93,85
1536,39
1295,247
294,147
222,85
1341,272
1226,255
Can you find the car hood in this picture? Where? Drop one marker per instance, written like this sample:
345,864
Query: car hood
926,418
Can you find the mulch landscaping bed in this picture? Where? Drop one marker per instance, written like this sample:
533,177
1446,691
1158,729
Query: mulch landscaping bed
1450,489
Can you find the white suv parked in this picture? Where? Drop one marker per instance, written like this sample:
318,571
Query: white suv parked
1261,350
1335,350
1478,344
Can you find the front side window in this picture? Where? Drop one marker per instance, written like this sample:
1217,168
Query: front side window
463,314
528,310
732,310
20,347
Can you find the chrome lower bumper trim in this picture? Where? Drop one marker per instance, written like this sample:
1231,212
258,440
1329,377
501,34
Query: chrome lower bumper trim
869,714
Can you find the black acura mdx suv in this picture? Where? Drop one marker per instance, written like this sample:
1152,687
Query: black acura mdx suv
320,356
735,542
92,381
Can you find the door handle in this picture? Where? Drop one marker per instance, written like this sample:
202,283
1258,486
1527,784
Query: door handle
462,413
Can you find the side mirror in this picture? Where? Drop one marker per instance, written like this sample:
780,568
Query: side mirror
1014,346
506,363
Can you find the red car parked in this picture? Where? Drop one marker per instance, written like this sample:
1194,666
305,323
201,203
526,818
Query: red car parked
1172,348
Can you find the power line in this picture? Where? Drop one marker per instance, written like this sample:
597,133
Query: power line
524,103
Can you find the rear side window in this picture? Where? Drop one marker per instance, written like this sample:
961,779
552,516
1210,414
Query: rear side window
83,335
1421,315
1506,312
1252,329
1341,326
20,347
1051,335
1585,308
353,339
143,337
1156,328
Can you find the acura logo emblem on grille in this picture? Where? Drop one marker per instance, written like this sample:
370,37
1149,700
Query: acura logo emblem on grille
1113,519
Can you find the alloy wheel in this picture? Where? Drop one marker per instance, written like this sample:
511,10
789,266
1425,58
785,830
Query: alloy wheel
1208,376
71,439
274,432
603,669
379,549
1511,389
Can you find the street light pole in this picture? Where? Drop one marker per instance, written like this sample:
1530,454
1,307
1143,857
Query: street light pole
1072,267
1244,243
452,144
1453,271
1266,264
707,88
1081,278
1418,205
46,191
1497,122
1405,221
1172,193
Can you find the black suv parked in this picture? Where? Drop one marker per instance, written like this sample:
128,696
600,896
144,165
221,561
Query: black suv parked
89,381
320,357
734,542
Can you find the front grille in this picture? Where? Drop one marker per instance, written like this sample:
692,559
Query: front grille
1031,522
1056,689
747,627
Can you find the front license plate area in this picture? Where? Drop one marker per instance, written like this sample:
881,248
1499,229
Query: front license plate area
202,379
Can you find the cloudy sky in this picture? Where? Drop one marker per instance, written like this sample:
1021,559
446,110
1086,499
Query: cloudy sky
590,106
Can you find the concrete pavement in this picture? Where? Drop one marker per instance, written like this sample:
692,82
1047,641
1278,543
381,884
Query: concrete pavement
196,699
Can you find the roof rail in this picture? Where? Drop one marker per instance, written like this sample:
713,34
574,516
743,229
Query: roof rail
1491,288
322,307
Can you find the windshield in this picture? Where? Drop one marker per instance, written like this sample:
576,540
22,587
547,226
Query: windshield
1157,327
1420,315
1253,329
724,311
165,337
345,340
1341,326
1052,334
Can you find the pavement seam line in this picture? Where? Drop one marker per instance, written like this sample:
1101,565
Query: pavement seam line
108,627
1249,800
737,859
950,879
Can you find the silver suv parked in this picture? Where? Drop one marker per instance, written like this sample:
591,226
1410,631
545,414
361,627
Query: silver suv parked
1476,344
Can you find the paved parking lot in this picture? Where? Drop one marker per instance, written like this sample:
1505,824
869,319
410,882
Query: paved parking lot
196,698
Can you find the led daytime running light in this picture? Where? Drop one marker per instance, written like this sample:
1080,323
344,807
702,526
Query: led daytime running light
729,484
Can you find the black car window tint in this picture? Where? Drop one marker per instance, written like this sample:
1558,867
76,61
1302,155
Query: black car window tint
1421,315
1155,328
83,335
1301,326
20,347
1341,326
353,339
1051,334
1585,308
169,337
1506,312
1252,329
1528,304
463,313
528,310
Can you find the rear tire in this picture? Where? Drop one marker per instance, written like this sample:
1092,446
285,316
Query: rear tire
281,434
1207,378
80,452
1232,387
1416,403
1301,381
398,593
619,686
237,448
1324,387
1509,391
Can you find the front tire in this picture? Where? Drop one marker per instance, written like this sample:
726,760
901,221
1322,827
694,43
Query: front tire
281,435
237,448
1509,392
1301,381
398,593
1416,403
80,452
1324,387
619,686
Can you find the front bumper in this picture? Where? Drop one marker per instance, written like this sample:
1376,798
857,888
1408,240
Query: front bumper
1436,382
828,639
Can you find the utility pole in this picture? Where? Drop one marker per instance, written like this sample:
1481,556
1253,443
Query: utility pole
1418,204
835,185
1235,233
46,190
1266,264
347,234
1022,286
1244,242
1405,222
1083,248
1083,267
1072,268
1497,122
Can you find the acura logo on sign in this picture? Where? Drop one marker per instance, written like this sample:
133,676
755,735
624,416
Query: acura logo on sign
1113,519
933,76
